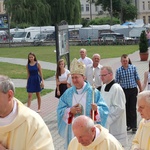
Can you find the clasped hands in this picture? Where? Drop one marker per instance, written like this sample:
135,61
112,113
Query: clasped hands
77,108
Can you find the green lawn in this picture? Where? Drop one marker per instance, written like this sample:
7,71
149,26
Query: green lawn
19,72
46,53
22,95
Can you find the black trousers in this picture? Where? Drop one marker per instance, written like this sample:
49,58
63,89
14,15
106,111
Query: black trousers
131,100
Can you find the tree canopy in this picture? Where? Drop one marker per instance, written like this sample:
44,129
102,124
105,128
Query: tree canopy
43,12
122,9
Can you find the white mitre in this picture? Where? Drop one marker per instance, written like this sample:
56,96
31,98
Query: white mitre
77,67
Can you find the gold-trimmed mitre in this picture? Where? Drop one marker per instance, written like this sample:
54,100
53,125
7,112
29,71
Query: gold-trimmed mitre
77,67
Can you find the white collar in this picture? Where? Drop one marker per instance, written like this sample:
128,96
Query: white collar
9,119
79,91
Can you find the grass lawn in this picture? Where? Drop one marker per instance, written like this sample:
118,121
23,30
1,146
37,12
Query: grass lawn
22,95
19,72
46,53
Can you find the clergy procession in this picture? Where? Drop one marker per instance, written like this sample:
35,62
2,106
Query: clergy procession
97,108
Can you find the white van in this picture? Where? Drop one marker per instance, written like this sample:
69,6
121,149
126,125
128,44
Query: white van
25,36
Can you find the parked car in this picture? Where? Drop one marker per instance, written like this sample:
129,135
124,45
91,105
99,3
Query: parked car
111,38
42,37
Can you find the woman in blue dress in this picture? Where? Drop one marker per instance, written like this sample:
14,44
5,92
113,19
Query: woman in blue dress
35,81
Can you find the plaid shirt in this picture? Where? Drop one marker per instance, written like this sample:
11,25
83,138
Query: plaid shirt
127,77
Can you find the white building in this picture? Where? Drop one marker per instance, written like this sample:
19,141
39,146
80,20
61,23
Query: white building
143,7
90,11
2,9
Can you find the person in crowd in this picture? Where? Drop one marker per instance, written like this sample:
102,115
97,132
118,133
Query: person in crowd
92,72
91,136
35,82
127,76
147,78
77,100
141,141
115,99
83,57
20,127
61,78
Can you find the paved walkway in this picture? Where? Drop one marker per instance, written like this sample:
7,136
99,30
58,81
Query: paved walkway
49,102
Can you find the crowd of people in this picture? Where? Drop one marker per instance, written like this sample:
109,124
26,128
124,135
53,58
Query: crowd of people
96,107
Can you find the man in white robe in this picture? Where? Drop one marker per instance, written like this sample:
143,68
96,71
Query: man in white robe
141,140
20,127
91,137
115,98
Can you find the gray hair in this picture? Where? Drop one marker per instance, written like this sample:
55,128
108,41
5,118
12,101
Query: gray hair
108,68
96,55
6,84
145,95
83,49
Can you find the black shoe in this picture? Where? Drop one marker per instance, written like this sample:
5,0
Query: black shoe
134,130
129,128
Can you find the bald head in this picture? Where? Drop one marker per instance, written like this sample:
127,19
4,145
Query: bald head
84,130
144,104
82,122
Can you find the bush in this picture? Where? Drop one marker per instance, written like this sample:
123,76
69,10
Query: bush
143,45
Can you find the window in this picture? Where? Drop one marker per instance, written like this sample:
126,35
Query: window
28,35
0,7
96,8
143,5
148,5
148,19
144,19
87,7
82,7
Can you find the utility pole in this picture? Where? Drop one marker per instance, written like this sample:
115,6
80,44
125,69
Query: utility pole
90,10
111,12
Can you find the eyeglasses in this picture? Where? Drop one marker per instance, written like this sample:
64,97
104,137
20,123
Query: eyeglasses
103,75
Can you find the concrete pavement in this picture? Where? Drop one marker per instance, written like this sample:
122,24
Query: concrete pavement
49,102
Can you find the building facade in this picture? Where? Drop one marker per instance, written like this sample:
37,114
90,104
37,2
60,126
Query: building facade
2,9
90,11
143,7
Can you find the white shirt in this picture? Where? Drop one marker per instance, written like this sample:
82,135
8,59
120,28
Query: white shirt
89,73
64,76
86,60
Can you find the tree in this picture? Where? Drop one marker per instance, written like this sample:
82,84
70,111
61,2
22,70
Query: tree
129,12
122,9
43,12
68,10
27,11
73,11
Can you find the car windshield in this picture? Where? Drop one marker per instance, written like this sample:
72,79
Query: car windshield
40,36
20,34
